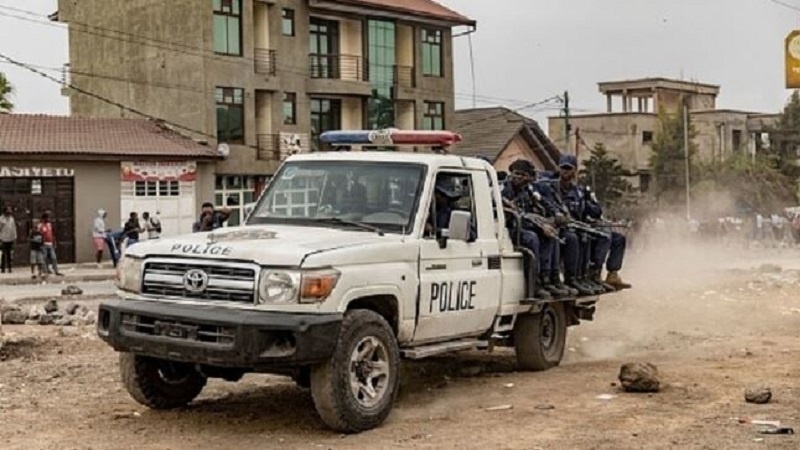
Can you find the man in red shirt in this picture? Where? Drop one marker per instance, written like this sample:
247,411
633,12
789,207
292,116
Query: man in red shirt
49,244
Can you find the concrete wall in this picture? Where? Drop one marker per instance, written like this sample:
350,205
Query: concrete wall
176,82
715,132
621,133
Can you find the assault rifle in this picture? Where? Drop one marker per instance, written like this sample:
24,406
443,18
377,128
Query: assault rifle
547,226
587,229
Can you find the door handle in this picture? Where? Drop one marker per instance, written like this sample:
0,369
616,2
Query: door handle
477,262
436,267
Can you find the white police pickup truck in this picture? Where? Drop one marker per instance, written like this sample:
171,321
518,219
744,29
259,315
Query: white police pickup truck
342,268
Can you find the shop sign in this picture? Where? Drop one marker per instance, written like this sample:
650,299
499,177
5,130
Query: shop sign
35,172
159,171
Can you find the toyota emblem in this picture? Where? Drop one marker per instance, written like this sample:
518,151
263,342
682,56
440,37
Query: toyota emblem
195,280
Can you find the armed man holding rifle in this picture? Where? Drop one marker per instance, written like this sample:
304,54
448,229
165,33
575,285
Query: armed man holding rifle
610,251
528,227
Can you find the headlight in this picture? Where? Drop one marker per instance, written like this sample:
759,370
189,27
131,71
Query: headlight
129,274
276,286
317,285
282,287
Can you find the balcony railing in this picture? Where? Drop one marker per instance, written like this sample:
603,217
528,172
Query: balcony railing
339,67
269,147
265,60
404,76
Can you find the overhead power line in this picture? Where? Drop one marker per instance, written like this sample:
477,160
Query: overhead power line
786,5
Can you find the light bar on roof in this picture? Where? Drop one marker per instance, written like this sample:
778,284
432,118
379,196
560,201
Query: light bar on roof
390,137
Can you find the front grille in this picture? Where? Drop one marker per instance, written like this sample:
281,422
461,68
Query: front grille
182,330
225,283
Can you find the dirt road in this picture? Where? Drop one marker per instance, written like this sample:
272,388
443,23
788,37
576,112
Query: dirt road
711,332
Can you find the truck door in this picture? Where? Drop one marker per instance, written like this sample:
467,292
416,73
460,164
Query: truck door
459,289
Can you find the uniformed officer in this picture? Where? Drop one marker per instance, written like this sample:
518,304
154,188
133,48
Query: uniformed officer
611,250
576,244
444,197
515,191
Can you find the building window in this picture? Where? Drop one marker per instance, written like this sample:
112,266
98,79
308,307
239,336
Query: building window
156,189
644,182
382,52
326,115
228,27
432,53
433,118
289,108
288,22
324,49
647,137
234,192
230,115
737,140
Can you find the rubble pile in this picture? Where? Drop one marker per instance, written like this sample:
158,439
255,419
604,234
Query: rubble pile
50,313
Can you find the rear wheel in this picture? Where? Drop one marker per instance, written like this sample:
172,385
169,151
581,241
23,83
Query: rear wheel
355,390
160,384
539,339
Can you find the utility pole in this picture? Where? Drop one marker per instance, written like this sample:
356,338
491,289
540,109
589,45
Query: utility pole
686,158
566,120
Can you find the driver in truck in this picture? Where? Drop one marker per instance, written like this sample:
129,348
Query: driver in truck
443,199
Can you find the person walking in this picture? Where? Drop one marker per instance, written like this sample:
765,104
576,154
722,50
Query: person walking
8,235
37,257
49,244
99,233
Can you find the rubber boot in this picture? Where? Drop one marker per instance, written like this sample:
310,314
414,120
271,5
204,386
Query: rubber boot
573,282
615,280
541,293
555,280
587,282
555,291
598,279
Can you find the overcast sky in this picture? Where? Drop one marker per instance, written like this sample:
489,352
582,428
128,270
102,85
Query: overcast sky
529,50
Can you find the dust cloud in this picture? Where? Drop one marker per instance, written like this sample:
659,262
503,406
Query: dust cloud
689,290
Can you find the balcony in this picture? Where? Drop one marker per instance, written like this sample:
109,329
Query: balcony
404,76
339,67
269,147
265,61
338,74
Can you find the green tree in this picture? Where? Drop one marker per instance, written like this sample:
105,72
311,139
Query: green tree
785,138
606,176
668,162
5,94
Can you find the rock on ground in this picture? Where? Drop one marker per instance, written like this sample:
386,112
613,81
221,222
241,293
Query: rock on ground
51,306
14,317
639,377
71,309
758,394
72,290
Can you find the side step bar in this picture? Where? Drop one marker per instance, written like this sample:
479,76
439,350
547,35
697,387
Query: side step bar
425,351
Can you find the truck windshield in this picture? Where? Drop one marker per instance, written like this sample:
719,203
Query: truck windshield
383,195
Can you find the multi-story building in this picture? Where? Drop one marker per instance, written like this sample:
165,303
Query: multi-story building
265,77
629,132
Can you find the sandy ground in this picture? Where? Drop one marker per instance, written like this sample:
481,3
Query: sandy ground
711,325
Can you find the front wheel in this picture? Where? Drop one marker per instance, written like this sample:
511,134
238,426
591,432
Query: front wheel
354,391
539,339
160,384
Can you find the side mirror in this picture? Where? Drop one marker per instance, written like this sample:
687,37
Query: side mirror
460,225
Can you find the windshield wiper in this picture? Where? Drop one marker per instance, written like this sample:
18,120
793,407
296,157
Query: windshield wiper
361,225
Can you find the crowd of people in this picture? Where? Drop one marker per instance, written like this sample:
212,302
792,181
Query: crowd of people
42,242
560,223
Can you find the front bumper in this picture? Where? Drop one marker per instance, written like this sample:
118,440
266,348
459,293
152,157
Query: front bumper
217,336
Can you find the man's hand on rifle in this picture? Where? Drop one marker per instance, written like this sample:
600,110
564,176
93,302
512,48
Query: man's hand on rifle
560,219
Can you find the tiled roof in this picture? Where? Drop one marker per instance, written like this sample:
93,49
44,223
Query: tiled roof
61,135
487,132
424,8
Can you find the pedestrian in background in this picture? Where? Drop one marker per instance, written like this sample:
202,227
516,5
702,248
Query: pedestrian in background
36,257
152,225
8,235
132,230
99,233
49,244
